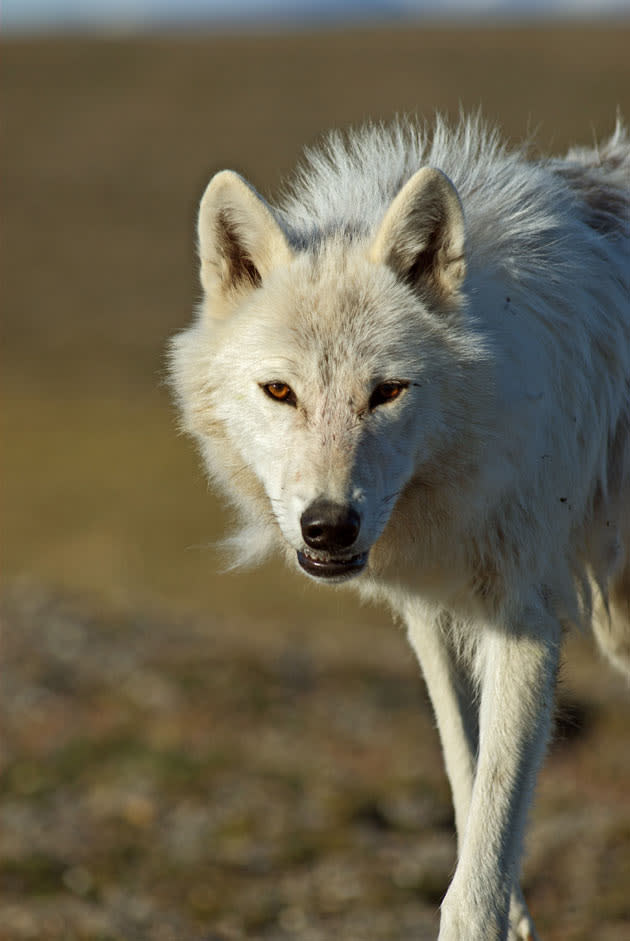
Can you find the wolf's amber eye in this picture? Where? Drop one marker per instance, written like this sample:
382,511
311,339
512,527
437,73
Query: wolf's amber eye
387,392
280,392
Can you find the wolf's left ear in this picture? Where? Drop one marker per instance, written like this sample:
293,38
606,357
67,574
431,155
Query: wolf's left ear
240,241
422,235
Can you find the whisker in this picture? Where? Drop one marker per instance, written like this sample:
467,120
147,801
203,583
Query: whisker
392,496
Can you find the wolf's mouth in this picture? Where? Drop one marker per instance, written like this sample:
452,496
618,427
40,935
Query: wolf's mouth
328,567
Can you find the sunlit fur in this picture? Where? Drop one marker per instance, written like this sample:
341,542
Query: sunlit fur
493,491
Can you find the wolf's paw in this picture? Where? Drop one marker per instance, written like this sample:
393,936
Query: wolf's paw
462,920
521,924
524,931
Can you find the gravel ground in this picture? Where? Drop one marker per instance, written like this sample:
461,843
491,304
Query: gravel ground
201,781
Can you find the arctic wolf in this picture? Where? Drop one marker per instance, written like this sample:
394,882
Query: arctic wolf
412,376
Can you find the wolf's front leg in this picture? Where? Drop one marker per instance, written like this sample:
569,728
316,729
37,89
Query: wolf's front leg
450,683
518,668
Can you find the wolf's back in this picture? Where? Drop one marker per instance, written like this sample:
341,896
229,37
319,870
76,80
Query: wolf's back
600,177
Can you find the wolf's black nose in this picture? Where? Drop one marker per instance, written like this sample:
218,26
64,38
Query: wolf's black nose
330,526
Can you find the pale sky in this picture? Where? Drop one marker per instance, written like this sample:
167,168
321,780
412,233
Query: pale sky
48,14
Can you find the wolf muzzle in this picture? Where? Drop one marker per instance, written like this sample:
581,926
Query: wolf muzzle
330,529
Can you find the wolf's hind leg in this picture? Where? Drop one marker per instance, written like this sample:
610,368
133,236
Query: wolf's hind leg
521,924
612,627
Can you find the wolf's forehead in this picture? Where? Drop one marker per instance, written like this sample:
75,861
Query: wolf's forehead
325,351
335,313
338,308
332,357
338,340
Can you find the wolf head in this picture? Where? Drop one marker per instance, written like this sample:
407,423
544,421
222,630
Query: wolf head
327,373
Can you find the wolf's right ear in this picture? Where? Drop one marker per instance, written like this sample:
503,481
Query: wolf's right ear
239,239
422,235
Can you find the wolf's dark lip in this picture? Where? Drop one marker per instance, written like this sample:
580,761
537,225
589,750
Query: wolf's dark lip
332,568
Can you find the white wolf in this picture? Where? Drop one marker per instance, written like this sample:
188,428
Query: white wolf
413,376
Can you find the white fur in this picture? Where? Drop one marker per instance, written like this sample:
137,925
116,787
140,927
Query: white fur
492,493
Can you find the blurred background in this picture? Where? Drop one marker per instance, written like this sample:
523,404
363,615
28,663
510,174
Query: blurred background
195,755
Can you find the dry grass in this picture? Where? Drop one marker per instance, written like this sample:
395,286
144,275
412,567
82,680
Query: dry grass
290,728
